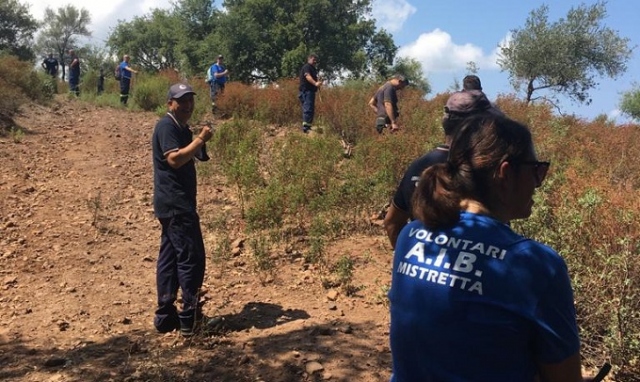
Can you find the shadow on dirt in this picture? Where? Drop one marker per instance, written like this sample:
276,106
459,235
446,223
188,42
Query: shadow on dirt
141,355
262,316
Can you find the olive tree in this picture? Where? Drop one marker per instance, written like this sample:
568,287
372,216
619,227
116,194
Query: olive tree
566,56
630,104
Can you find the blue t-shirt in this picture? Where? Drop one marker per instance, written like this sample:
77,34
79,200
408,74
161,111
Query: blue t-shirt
477,302
124,73
215,68
174,190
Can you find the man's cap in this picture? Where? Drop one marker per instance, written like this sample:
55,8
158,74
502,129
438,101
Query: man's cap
471,82
178,90
221,57
469,102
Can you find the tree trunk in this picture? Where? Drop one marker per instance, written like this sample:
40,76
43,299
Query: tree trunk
530,90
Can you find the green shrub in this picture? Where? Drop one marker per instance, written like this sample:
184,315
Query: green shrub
150,92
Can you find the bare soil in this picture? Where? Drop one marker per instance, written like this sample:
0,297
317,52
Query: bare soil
78,247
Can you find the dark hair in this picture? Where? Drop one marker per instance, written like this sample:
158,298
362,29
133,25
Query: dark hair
471,82
401,79
312,55
481,144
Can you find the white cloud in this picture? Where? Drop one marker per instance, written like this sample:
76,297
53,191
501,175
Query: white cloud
391,14
104,14
438,53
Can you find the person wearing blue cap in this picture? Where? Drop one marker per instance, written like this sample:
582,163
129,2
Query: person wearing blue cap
181,260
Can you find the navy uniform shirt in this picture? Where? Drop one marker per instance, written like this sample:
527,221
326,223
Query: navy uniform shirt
304,84
402,198
174,190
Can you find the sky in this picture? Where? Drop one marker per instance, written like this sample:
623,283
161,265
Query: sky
443,36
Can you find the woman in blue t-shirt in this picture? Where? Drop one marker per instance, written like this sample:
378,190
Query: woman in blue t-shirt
471,300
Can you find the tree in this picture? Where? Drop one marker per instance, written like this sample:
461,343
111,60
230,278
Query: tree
412,69
630,104
198,19
380,53
564,57
151,41
62,29
271,39
17,27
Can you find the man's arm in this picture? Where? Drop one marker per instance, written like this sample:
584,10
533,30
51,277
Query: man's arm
44,65
179,158
312,81
130,69
388,107
74,62
372,104
568,370
217,74
394,221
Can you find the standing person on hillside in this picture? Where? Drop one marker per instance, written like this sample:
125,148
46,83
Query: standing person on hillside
50,65
181,260
74,73
470,299
126,73
101,81
459,106
309,85
385,103
218,75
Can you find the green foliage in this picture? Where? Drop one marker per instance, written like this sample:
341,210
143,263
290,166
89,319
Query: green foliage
236,146
23,83
412,69
193,32
16,29
261,255
61,29
150,92
630,104
565,56
380,52
151,41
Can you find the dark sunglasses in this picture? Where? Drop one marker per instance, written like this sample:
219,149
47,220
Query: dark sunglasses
540,169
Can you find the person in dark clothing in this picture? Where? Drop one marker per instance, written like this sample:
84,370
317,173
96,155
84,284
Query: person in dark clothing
459,106
50,65
101,82
471,82
74,73
385,103
309,85
181,260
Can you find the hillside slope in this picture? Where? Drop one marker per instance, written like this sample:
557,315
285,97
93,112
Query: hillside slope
78,243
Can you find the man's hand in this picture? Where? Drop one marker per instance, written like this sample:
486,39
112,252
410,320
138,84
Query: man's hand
394,127
205,134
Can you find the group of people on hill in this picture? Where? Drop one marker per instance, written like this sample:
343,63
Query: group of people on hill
470,299
51,67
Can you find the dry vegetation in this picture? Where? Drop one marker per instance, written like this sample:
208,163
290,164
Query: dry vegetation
303,207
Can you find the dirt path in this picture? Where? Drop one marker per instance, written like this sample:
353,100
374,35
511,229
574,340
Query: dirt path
78,243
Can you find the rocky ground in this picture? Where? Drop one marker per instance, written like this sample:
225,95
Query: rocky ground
78,243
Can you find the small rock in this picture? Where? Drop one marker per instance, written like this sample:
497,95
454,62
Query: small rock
54,362
313,367
332,306
332,295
